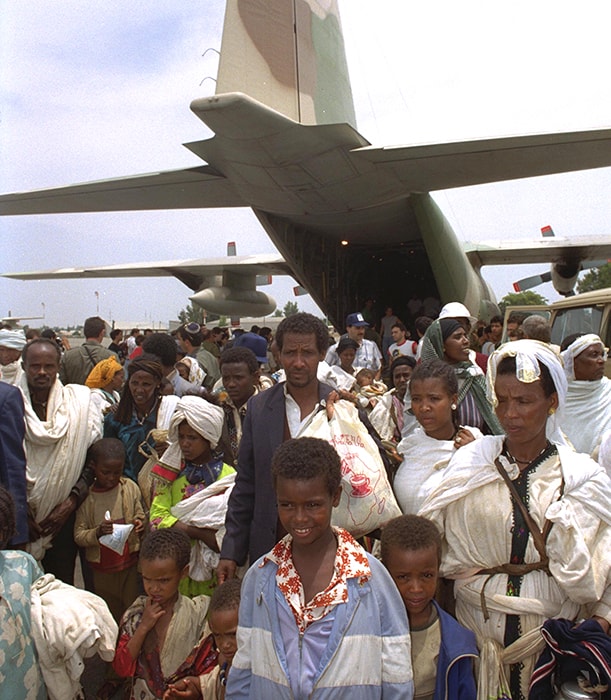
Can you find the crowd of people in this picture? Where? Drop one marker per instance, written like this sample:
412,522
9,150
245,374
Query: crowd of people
193,483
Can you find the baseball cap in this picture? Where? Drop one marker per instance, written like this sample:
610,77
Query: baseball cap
253,342
356,320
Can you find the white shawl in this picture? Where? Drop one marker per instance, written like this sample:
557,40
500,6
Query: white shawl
423,467
56,448
11,373
587,413
206,508
68,626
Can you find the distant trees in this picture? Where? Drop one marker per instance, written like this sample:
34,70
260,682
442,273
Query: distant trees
290,308
191,313
529,298
598,278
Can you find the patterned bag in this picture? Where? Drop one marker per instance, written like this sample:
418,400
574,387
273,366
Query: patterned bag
367,501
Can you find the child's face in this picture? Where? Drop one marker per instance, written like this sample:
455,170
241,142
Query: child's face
346,358
107,472
182,369
432,406
304,508
415,573
224,625
364,380
195,448
161,578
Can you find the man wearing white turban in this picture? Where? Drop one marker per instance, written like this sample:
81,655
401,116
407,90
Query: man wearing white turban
192,485
587,409
11,346
526,522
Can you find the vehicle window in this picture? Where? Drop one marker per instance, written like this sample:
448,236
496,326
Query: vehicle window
585,319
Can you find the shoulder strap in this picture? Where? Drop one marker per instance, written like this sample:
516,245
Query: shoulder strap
91,357
538,536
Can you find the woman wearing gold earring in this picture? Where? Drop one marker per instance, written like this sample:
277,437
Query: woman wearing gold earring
526,525
427,451
447,340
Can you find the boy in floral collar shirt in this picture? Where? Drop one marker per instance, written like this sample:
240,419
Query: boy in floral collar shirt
319,617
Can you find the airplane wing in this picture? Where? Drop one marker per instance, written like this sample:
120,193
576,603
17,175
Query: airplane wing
542,250
200,187
443,166
16,319
192,273
262,159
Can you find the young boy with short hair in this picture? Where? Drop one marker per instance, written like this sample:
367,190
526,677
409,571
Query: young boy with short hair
319,617
442,650
115,576
223,622
163,636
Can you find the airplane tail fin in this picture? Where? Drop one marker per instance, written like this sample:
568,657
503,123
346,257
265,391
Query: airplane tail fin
289,55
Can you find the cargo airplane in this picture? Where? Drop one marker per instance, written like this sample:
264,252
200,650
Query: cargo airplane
350,220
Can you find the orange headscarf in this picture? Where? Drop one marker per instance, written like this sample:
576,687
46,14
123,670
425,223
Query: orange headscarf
103,373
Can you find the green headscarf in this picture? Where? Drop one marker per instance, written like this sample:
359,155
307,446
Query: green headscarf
470,376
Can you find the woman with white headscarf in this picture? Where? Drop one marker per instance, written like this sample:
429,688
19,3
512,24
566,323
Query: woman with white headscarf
587,409
192,485
525,521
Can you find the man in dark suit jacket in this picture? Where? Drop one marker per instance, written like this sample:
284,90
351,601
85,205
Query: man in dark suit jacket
273,416
12,457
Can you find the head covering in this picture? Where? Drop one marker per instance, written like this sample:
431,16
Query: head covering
103,373
204,417
528,354
141,364
254,342
196,373
448,326
15,340
575,348
470,376
356,320
455,309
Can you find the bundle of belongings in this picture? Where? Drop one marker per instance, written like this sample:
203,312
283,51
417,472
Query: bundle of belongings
573,652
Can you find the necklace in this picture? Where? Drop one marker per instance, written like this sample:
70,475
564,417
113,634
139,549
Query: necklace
223,674
515,460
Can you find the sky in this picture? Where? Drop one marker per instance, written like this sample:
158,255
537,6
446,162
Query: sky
96,90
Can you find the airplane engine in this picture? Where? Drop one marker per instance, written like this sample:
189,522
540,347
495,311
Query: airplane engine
564,277
234,302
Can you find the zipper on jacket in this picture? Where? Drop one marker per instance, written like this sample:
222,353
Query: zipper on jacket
314,687
458,658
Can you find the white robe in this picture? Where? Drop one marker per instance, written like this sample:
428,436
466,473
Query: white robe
56,448
68,626
473,508
11,373
587,413
424,465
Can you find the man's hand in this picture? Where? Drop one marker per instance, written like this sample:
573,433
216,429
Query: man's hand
53,523
138,526
225,570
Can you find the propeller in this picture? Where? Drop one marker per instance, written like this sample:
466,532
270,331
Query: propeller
563,274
